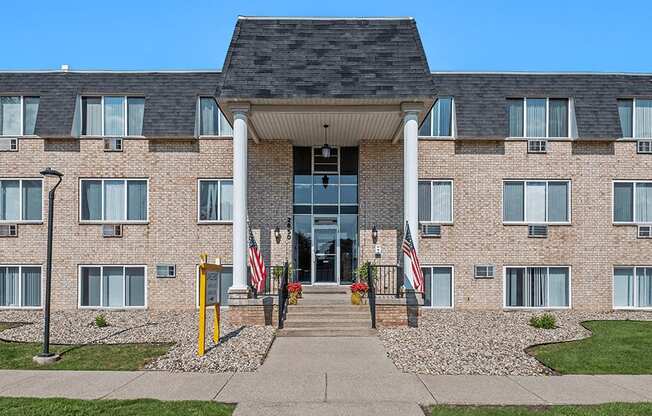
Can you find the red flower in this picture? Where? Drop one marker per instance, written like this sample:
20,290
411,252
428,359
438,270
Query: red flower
295,287
359,287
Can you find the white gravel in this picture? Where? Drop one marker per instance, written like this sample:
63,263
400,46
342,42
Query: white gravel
240,348
483,342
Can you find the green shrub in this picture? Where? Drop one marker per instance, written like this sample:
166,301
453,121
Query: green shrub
100,321
545,321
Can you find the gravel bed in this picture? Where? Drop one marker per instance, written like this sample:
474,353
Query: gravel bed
241,348
483,342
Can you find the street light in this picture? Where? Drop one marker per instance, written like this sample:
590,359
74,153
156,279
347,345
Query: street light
46,357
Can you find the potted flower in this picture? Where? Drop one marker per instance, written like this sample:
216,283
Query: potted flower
358,290
295,292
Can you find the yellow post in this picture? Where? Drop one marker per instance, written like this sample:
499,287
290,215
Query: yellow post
216,324
202,306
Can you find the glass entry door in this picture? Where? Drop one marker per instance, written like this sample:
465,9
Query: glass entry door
325,254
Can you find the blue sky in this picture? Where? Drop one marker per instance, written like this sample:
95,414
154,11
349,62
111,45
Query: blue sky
549,35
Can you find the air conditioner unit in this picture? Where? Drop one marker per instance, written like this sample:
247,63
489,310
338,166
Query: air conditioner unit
111,230
112,144
537,231
644,146
8,230
484,271
430,230
166,270
645,231
537,146
8,145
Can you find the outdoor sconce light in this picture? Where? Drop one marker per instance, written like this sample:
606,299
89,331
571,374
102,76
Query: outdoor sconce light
277,234
374,234
326,149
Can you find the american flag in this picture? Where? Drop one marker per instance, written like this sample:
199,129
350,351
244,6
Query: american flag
415,266
258,272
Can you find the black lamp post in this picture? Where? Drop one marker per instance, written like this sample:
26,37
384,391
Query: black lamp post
48,277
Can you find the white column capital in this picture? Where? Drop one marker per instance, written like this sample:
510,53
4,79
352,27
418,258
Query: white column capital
239,108
412,108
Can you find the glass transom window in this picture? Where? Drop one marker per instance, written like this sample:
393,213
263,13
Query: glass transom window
537,287
215,200
536,201
211,119
112,116
635,118
112,286
632,202
439,121
114,200
436,201
18,115
20,286
538,117
21,200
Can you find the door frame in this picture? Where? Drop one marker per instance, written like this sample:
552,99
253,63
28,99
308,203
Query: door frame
313,266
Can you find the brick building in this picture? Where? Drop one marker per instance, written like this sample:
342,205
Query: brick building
525,190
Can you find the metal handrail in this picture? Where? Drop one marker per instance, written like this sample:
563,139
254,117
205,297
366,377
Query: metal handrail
283,296
372,295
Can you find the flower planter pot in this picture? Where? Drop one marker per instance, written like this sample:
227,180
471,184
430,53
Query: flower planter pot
356,298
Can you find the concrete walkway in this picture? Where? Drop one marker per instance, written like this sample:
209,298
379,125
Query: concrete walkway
327,376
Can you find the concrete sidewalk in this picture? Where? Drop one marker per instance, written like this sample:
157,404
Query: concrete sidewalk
327,376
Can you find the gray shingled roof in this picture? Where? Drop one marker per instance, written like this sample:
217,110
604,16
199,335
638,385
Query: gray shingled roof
481,107
170,97
325,58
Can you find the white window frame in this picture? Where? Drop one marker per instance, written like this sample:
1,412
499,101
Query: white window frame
22,116
613,201
219,119
124,287
547,136
525,219
197,285
613,290
633,136
570,287
219,201
20,202
432,181
125,180
432,125
20,287
452,267
125,129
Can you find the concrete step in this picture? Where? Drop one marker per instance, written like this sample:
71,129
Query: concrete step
315,308
328,315
327,289
324,323
327,332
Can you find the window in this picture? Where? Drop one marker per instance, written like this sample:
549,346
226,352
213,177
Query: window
21,200
436,201
537,287
226,282
483,271
211,120
112,286
540,202
632,287
18,115
112,116
215,200
20,286
632,202
635,118
114,200
439,121
538,117
439,286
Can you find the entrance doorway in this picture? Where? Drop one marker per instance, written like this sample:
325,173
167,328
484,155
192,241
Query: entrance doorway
325,251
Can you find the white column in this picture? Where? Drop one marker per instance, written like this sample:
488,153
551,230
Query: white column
239,288
411,172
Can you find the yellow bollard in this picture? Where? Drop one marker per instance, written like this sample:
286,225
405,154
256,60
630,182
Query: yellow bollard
202,310
216,324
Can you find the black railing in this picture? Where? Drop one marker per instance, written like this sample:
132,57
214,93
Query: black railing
371,294
388,280
283,296
271,283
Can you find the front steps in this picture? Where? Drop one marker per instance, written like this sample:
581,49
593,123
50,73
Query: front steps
326,311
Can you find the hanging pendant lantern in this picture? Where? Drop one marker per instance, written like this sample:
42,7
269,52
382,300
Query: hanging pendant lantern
326,149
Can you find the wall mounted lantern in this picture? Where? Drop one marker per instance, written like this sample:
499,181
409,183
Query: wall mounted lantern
374,234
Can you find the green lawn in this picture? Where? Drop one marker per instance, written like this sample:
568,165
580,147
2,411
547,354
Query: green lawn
15,355
7,325
616,347
10,406
611,409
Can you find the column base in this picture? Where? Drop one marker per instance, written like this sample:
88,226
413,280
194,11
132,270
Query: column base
239,293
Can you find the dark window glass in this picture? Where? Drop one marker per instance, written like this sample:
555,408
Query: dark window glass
325,209
302,247
349,161
302,161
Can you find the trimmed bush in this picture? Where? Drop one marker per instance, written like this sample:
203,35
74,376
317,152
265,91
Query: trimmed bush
100,321
545,321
